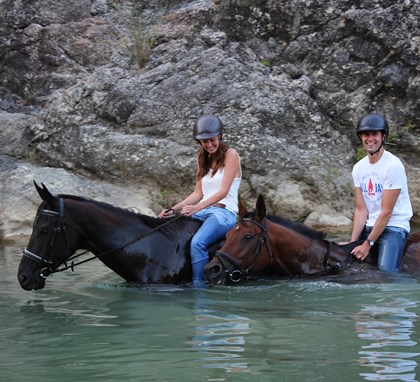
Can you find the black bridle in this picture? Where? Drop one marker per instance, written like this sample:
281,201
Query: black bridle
60,227
238,272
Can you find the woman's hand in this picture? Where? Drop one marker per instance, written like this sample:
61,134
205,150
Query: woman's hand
166,213
189,209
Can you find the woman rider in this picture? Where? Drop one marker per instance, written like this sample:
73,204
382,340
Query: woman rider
214,200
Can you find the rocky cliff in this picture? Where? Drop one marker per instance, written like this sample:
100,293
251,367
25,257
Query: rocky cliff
103,94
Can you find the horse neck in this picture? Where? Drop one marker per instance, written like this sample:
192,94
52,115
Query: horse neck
108,227
99,224
293,251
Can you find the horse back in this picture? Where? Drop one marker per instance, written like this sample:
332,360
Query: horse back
411,259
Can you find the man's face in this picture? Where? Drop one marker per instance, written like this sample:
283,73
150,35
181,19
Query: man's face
372,140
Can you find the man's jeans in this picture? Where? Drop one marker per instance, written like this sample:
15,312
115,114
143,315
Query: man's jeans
390,245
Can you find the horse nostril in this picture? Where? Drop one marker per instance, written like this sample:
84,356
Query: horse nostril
21,279
214,270
24,282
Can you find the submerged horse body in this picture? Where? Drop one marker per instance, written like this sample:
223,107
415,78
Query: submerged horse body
260,245
139,248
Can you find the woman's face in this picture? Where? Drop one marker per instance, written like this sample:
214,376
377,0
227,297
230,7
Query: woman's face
210,145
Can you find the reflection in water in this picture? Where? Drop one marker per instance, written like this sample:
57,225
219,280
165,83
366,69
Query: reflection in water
89,326
222,337
388,327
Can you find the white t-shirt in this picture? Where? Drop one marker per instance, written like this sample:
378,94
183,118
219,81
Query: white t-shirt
210,185
386,174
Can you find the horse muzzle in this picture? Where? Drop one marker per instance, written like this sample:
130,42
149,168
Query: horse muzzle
32,274
218,270
214,272
32,281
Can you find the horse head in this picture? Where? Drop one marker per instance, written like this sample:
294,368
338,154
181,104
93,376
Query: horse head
48,245
261,244
246,249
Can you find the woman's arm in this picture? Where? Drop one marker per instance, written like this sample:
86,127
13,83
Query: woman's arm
232,170
191,199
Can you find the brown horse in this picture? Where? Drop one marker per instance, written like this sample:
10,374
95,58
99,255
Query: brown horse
260,245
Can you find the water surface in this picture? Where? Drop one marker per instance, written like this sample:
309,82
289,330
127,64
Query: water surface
89,326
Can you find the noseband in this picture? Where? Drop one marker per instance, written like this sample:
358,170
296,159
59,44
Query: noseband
238,272
59,227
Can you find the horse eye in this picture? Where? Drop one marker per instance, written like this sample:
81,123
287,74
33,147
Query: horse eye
249,236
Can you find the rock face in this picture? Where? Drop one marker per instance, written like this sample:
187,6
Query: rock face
19,204
109,91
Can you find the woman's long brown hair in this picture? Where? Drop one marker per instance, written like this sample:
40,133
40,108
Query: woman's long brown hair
205,159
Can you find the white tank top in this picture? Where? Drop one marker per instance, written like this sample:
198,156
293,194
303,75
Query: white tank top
210,185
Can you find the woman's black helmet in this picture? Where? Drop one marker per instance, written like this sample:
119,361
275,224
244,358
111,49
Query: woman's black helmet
372,122
207,126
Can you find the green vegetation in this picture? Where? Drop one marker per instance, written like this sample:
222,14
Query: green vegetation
331,175
265,62
392,135
360,153
409,126
142,43
335,172
349,187
165,197
142,38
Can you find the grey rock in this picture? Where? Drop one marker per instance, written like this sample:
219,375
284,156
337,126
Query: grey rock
288,79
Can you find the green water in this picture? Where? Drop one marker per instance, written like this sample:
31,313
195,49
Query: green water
88,326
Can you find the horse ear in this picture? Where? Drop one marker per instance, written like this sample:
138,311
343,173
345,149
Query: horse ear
40,190
260,208
242,207
44,193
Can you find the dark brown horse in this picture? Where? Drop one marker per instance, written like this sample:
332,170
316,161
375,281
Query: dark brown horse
260,245
139,248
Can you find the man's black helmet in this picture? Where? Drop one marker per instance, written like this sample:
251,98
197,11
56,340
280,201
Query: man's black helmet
372,122
207,126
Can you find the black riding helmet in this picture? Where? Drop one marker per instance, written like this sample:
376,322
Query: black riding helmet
372,122
207,126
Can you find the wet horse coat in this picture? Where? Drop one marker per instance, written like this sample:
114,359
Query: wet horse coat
259,245
139,248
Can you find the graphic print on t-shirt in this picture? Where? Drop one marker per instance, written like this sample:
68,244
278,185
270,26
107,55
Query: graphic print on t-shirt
371,187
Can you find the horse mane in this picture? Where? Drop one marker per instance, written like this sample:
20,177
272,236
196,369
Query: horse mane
294,226
150,221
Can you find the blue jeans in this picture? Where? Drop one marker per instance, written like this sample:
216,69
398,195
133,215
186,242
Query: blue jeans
216,223
390,246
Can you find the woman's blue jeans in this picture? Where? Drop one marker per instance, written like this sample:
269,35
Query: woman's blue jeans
390,246
216,223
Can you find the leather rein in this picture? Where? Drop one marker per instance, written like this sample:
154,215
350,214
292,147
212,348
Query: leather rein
60,227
